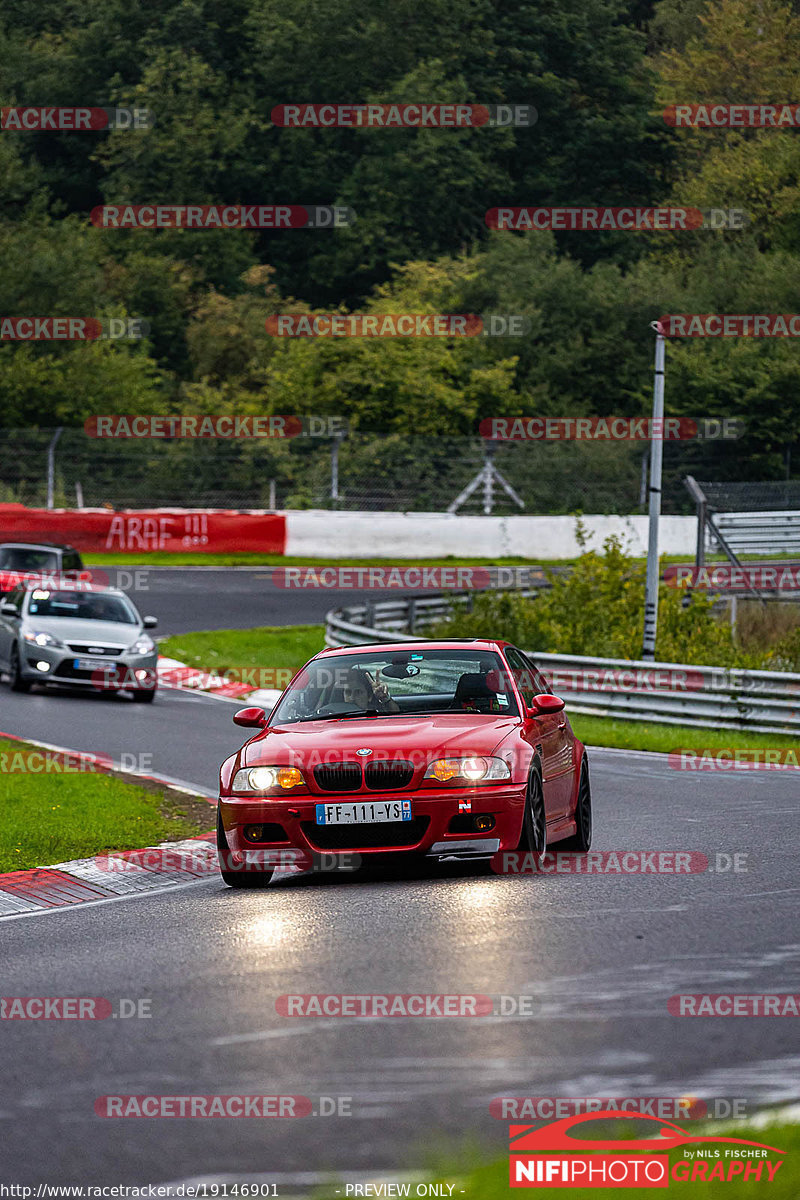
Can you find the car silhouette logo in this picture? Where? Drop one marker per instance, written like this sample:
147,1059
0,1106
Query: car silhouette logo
556,1135
363,751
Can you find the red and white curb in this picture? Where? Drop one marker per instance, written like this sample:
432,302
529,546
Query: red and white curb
175,674
117,874
121,873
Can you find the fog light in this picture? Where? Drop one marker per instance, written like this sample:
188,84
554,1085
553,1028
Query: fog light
42,665
141,675
254,833
484,822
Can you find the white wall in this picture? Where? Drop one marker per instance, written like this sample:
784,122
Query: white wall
317,533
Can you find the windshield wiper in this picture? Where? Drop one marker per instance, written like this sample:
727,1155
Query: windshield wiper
345,716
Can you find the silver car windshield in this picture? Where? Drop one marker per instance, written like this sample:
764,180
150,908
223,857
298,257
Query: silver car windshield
78,605
394,683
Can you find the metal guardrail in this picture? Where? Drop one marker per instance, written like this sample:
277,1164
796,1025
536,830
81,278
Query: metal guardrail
756,532
662,693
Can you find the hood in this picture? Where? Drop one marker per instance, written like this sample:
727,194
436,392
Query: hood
445,735
85,633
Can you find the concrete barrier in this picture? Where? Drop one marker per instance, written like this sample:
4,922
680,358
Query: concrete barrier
318,533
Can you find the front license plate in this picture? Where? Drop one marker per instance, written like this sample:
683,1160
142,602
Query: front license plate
370,813
92,664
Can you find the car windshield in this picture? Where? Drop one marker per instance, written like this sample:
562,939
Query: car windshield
87,606
398,683
18,558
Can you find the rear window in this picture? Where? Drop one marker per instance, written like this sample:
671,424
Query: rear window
17,558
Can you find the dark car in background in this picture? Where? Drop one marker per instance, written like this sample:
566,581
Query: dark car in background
19,560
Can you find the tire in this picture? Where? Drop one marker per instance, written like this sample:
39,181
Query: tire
15,679
237,879
582,840
144,695
533,837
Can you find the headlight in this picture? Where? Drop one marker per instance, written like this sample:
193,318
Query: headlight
43,639
261,779
468,770
142,645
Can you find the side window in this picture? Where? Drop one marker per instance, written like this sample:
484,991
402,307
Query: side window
71,562
541,684
15,598
524,674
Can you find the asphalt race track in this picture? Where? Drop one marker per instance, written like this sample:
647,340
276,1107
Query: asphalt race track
599,955
186,598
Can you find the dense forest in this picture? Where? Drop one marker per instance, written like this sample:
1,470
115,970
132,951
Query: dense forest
599,73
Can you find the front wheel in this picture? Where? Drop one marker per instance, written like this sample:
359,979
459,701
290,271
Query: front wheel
144,695
242,878
582,839
533,838
15,679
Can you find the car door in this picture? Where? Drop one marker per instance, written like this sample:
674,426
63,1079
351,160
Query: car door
551,732
9,625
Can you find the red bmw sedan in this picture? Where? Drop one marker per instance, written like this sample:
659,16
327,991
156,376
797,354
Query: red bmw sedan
449,749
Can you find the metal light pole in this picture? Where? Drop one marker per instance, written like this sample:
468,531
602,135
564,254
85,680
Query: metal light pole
337,438
656,457
51,465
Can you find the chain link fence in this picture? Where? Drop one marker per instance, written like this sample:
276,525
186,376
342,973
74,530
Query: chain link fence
370,472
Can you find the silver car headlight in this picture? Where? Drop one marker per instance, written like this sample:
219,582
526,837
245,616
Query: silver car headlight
262,779
40,638
142,645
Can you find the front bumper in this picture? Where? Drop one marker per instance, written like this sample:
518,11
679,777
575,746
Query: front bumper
123,671
429,832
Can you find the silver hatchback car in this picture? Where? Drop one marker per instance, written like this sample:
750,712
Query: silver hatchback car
77,636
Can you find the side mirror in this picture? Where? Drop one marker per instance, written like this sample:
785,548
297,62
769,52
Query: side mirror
150,622
8,610
250,718
544,704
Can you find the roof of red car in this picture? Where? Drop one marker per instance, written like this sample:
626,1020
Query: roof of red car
423,644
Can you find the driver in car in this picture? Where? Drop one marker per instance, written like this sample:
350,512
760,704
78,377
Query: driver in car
362,691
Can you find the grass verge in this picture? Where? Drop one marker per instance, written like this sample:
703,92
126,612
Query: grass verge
52,816
157,558
244,649
641,735
163,559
